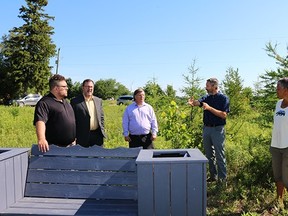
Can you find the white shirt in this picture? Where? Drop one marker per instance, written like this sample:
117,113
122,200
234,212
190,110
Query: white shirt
280,127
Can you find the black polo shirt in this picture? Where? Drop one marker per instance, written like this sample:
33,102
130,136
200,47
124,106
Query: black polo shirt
218,101
59,119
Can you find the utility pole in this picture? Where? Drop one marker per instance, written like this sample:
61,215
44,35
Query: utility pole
57,61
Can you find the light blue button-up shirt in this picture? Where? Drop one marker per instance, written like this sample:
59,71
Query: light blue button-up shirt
139,120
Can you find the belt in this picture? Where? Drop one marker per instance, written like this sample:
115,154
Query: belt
212,125
141,135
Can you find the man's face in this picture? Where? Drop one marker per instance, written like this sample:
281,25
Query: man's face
140,97
210,88
88,89
62,89
280,91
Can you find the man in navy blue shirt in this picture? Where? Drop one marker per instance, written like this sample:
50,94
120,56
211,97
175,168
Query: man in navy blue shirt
216,107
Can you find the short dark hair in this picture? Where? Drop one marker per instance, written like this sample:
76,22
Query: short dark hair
54,80
213,81
87,80
283,82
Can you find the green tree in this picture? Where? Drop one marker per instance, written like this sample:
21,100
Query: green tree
233,88
170,92
192,82
109,88
182,125
27,50
266,94
154,94
75,89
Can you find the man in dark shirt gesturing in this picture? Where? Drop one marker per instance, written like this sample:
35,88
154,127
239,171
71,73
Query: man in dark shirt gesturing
216,107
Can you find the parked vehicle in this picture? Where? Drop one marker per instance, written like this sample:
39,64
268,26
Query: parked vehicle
29,100
124,99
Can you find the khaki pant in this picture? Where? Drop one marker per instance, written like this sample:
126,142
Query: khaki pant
280,165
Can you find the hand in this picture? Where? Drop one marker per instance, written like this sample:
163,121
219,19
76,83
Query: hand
206,106
191,101
153,137
127,139
43,145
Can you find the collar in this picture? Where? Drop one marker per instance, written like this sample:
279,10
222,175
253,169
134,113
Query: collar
89,99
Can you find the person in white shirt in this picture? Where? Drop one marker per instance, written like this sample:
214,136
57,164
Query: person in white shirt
279,142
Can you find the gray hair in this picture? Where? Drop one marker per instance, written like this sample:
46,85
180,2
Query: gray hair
213,81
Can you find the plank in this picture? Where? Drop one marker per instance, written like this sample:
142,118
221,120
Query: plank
82,163
196,198
94,151
145,190
161,185
81,191
50,206
178,189
82,177
3,188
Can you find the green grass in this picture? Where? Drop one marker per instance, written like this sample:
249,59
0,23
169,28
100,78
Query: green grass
16,127
250,188
17,130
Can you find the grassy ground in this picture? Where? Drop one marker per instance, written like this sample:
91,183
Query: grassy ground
242,196
17,130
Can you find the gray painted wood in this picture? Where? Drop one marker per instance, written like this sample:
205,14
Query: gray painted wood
196,190
17,177
13,168
98,181
54,206
10,184
145,190
178,183
178,189
24,168
101,174
3,198
162,189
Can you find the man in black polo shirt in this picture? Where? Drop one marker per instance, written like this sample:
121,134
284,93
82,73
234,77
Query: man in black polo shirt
54,117
216,107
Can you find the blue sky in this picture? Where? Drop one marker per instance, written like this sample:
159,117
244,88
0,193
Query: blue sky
136,41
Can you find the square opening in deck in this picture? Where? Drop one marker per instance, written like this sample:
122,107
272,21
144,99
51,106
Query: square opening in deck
171,154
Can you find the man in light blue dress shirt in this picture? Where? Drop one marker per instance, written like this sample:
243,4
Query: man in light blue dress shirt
139,122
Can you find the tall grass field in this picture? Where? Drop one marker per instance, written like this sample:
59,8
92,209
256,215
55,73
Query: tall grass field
17,129
250,188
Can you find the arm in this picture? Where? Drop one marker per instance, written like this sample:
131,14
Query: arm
154,126
40,132
102,115
125,123
194,102
218,113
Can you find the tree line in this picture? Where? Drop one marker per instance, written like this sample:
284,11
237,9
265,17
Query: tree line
26,51
25,54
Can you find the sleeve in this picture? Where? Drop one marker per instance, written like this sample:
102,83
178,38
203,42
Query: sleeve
41,112
125,123
226,107
154,123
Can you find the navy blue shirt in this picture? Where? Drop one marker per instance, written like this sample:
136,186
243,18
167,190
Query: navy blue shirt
218,101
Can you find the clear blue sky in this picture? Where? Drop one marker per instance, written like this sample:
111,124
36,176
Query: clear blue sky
136,41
